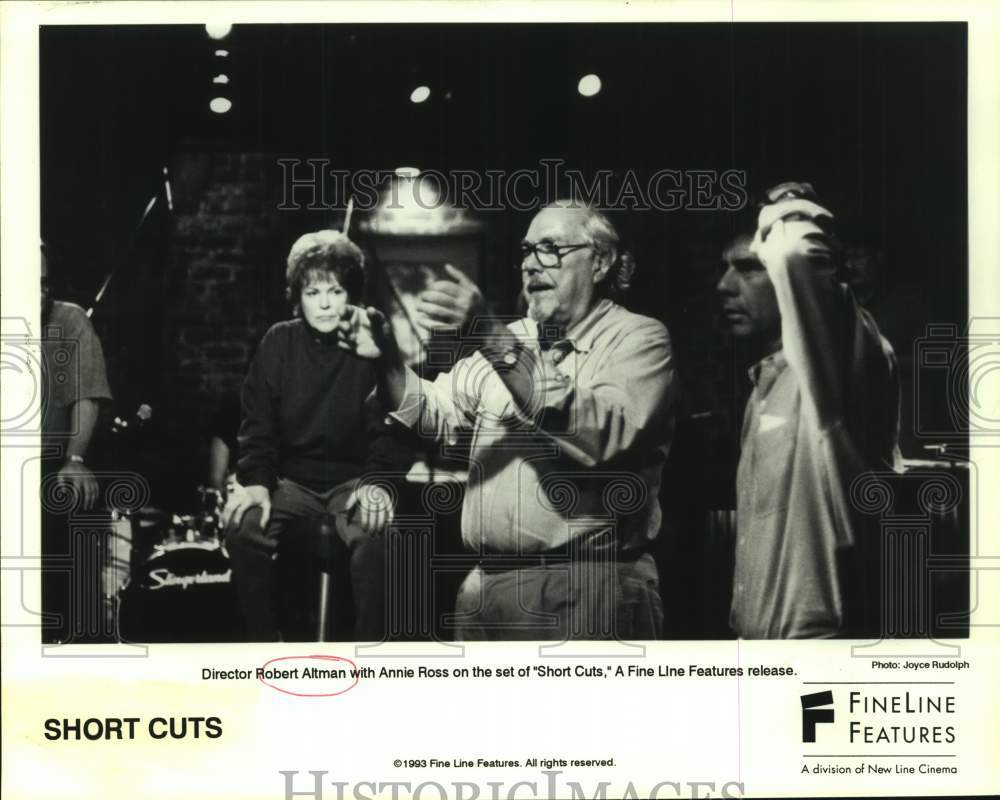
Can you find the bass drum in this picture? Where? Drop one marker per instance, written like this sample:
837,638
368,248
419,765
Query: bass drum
182,593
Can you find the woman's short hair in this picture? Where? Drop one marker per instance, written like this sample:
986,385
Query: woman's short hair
320,254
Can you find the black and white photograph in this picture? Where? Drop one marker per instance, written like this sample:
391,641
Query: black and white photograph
654,344
380,332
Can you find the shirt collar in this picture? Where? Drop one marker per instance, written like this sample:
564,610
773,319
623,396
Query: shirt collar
763,373
579,337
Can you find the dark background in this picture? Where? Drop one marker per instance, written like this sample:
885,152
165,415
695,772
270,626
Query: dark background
874,115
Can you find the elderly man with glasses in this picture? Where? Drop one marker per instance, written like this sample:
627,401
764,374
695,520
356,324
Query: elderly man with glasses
568,414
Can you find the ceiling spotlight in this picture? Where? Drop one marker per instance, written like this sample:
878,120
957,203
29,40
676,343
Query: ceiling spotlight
420,94
220,105
220,79
589,85
218,30
222,53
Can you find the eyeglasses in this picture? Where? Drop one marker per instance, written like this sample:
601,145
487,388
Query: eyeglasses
547,254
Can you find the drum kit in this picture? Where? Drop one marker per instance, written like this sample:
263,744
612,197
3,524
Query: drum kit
167,577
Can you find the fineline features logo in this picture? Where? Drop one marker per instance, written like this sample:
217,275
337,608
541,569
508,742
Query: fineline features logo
884,717
904,708
812,714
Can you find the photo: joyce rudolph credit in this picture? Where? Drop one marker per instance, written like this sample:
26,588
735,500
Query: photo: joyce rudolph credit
496,401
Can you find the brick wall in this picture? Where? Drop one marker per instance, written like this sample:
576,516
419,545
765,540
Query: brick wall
225,270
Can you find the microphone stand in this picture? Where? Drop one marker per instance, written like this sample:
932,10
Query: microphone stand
135,235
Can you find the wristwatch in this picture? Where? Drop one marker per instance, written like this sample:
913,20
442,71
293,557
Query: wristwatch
76,459
503,359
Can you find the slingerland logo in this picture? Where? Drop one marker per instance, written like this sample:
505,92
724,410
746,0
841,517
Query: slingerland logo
877,717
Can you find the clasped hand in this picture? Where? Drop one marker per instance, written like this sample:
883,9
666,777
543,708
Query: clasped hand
795,227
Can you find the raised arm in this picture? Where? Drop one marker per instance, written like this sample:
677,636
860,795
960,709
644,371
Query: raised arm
792,243
433,410
846,371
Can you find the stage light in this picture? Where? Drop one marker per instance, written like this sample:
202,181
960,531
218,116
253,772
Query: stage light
222,53
218,30
408,172
420,94
220,79
220,105
589,85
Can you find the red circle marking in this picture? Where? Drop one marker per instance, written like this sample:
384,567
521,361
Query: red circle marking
310,694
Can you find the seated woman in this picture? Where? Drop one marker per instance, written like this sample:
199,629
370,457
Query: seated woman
309,444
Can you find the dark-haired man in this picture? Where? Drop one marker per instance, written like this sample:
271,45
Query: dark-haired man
824,409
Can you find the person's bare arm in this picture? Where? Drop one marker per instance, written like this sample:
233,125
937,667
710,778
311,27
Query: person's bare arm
218,463
74,472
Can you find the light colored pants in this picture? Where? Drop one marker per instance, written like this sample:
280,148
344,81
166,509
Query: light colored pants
572,600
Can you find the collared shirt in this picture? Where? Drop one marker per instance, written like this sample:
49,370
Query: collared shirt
585,459
823,411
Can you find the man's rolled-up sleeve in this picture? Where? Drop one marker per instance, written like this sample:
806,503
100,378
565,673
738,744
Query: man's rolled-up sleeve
627,408
438,409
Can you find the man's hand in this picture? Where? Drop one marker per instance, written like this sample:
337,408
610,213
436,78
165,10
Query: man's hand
789,228
372,506
242,500
449,302
81,481
366,332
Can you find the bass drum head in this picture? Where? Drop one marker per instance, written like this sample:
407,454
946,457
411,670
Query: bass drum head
182,593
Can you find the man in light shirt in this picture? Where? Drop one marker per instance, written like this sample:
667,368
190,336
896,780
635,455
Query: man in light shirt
568,414
824,410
